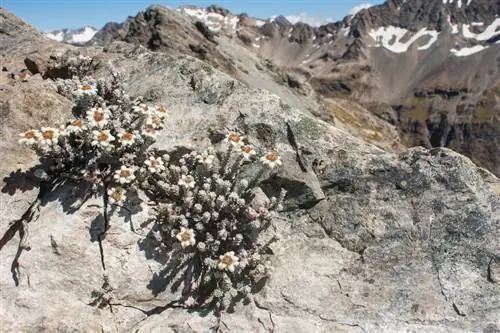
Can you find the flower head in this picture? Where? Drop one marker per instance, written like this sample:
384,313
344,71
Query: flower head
160,111
124,175
144,109
76,126
102,138
155,164
155,122
234,139
30,137
97,117
116,195
90,175
149,132
49,136
271,159
127,138
247,152
228,261
86,90
205,158
187,181
186,237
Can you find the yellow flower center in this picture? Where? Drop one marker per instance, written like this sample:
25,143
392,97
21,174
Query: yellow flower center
48,135
234,137
125,173
185,236
98,116
127,136
247,149
30,135
154,163
103,136
117,195
189,179
273,157
87,87
77,123
161,109
227,260
157,121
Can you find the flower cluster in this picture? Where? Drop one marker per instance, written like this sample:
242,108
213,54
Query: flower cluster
210,213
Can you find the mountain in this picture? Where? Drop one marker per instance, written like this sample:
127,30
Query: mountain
430,69
73,36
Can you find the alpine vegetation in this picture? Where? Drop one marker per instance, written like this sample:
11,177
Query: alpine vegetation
211,218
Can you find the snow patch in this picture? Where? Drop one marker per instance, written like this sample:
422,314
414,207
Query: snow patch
390,38
57,37
84,36
467,51
214,21
489,32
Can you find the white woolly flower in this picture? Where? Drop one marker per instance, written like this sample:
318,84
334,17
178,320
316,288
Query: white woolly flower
144,109
102,138
124,175
234,139
86,90
187,181
76,126
127,138
155,164
49,136
205,158
90,175
160,111
30,137
97,117
186,237
155,122
247,152
116,195
228,261
149,132
271,159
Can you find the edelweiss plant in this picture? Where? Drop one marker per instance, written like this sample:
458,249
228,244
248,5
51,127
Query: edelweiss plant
207,212
107,141
217,231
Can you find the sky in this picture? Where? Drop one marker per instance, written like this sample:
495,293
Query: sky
49,15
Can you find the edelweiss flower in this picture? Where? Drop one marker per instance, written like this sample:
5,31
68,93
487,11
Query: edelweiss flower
155,165
149,132
102,138
247,152
76,126
90,175
271,159
160,111
228,261
155,122
144,109
49,136
30,137
187,181
205,158
116,195
86,89
126,138
124,175
98,117
186,237
235,139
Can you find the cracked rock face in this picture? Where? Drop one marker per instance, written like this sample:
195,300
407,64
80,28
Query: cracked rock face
370,241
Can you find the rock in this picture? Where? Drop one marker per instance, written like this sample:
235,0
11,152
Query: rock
32,65
207,33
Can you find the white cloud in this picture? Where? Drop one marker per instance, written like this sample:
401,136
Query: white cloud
354,10
305,18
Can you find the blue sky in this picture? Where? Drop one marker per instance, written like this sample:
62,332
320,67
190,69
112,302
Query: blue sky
48,15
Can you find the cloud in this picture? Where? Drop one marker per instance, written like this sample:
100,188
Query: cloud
305,18
354,10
